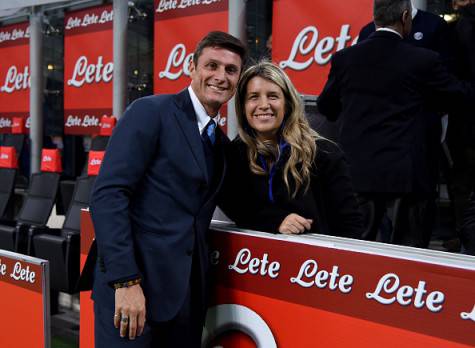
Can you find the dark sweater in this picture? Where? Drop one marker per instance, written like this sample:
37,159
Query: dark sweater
329,201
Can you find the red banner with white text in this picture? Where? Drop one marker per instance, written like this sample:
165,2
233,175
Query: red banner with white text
14,74
303,46
320,291
281,292
23,299
88,69
179,26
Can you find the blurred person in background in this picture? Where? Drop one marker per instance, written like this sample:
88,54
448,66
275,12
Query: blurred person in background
379,88
461,129
282,176
467,230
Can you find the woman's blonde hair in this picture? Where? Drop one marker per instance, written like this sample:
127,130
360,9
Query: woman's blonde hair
295,129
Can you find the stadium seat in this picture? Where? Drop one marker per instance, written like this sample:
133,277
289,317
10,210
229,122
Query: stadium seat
7,185
34,213
61,247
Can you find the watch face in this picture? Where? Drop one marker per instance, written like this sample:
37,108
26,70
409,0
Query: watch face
232,325
418,36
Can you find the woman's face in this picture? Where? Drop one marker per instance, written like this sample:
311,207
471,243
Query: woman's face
264,106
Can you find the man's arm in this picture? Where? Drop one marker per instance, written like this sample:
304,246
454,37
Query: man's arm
130,150
128,155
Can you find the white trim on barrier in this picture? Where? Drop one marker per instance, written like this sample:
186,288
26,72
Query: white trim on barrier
374,248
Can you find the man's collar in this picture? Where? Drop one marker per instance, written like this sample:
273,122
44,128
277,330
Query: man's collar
390,30
202,116
414,12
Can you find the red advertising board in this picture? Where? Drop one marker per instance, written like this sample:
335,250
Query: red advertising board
179,26
14,74
88,69
320,291
24,301
303,46
308,292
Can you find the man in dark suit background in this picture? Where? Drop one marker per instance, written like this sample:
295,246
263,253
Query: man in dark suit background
461,129
378,88
152,204
428,31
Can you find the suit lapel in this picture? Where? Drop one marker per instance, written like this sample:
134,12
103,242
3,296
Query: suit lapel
186,118
221,140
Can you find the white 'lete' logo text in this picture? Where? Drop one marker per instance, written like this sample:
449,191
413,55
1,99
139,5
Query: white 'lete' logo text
15,80
307,41
177,58
389,291
89,73
166,5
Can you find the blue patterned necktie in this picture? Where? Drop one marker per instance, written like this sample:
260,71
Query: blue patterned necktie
210,131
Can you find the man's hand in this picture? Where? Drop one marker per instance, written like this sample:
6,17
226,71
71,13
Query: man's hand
295,224
130,311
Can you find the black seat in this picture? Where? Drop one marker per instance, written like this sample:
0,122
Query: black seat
15,140
99,143
61,247
34,213
7,185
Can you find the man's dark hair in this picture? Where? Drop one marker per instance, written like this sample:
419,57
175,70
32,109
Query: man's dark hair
389,12
222,40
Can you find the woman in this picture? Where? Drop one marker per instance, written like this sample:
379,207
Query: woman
281,176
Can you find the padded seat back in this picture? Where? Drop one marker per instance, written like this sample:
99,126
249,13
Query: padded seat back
99,143
63,251
7,184
82,192
40,199
15,140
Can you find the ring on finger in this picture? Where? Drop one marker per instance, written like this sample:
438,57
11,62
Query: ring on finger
124,319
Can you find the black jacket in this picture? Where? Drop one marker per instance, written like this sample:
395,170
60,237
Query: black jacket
467,232
379,88
428,31
329,201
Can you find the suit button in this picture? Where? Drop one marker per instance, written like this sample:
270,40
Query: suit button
189,252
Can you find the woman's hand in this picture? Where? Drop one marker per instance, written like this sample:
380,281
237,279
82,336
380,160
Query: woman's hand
295,224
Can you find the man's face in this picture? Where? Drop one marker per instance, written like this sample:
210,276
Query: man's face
462,3
214,78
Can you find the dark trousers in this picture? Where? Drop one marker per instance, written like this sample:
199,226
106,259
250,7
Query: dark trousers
183,331
404,219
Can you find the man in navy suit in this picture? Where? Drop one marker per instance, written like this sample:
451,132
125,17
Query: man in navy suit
378,88
152,204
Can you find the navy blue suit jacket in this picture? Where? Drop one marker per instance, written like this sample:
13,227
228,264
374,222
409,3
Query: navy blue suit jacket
152,203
